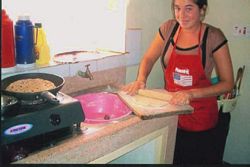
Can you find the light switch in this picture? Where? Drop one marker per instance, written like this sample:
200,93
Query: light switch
241,30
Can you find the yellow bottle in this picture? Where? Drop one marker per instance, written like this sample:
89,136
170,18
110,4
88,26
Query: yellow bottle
41,46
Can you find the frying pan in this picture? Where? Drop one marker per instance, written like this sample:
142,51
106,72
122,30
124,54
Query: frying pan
48,94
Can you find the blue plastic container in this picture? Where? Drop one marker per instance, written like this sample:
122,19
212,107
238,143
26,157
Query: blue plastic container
24,38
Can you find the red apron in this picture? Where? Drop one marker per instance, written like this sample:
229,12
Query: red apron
186,72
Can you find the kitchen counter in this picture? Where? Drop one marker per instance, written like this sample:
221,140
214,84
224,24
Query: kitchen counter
104,143
110,142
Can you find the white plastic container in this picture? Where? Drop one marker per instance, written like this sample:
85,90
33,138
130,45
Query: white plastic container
228,104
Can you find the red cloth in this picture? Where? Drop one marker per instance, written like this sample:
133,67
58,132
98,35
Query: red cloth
186,72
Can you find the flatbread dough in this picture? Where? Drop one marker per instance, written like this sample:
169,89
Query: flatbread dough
148,102
30,85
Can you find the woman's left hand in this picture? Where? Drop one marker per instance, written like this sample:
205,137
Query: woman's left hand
181,98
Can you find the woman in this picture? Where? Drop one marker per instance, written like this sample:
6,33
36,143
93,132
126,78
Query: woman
190,49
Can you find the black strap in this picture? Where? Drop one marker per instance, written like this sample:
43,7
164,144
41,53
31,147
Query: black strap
203,47
167,44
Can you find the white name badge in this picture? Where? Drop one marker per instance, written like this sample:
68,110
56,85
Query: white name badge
183,79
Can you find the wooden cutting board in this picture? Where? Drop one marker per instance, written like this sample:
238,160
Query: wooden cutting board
148,104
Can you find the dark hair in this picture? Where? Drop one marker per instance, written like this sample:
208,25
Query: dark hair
202,4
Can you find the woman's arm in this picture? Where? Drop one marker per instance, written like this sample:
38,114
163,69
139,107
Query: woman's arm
146,65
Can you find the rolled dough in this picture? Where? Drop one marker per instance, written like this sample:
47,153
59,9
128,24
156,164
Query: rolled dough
148,102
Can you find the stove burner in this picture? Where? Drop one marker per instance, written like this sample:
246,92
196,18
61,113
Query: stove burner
25,106
32,102
59,96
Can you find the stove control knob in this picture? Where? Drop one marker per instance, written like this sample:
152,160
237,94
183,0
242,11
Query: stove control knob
55,119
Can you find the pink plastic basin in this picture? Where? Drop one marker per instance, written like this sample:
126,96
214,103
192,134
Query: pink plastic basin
102,107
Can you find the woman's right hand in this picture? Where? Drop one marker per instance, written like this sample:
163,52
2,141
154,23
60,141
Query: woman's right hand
133,87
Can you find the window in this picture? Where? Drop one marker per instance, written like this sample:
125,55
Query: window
75,24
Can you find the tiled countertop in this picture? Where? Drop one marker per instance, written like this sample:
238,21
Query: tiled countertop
90,146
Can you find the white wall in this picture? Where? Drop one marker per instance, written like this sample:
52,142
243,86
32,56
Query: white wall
77,24
149,14
225,14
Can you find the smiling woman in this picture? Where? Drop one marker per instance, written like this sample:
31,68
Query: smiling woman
78,24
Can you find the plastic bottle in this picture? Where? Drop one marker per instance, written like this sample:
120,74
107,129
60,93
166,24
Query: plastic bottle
41,47
8,60
25,55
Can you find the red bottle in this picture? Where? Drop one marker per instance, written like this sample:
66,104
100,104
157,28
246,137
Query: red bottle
7,42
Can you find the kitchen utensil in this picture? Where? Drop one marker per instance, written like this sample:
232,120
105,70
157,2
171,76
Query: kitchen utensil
76,56
240,79
161,95
235,89
155,108
82,55
49,94
228,104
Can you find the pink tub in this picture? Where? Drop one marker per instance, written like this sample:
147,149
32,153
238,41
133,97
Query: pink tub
102,107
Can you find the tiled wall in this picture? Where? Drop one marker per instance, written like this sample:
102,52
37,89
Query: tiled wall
113,77
133,43
106,71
